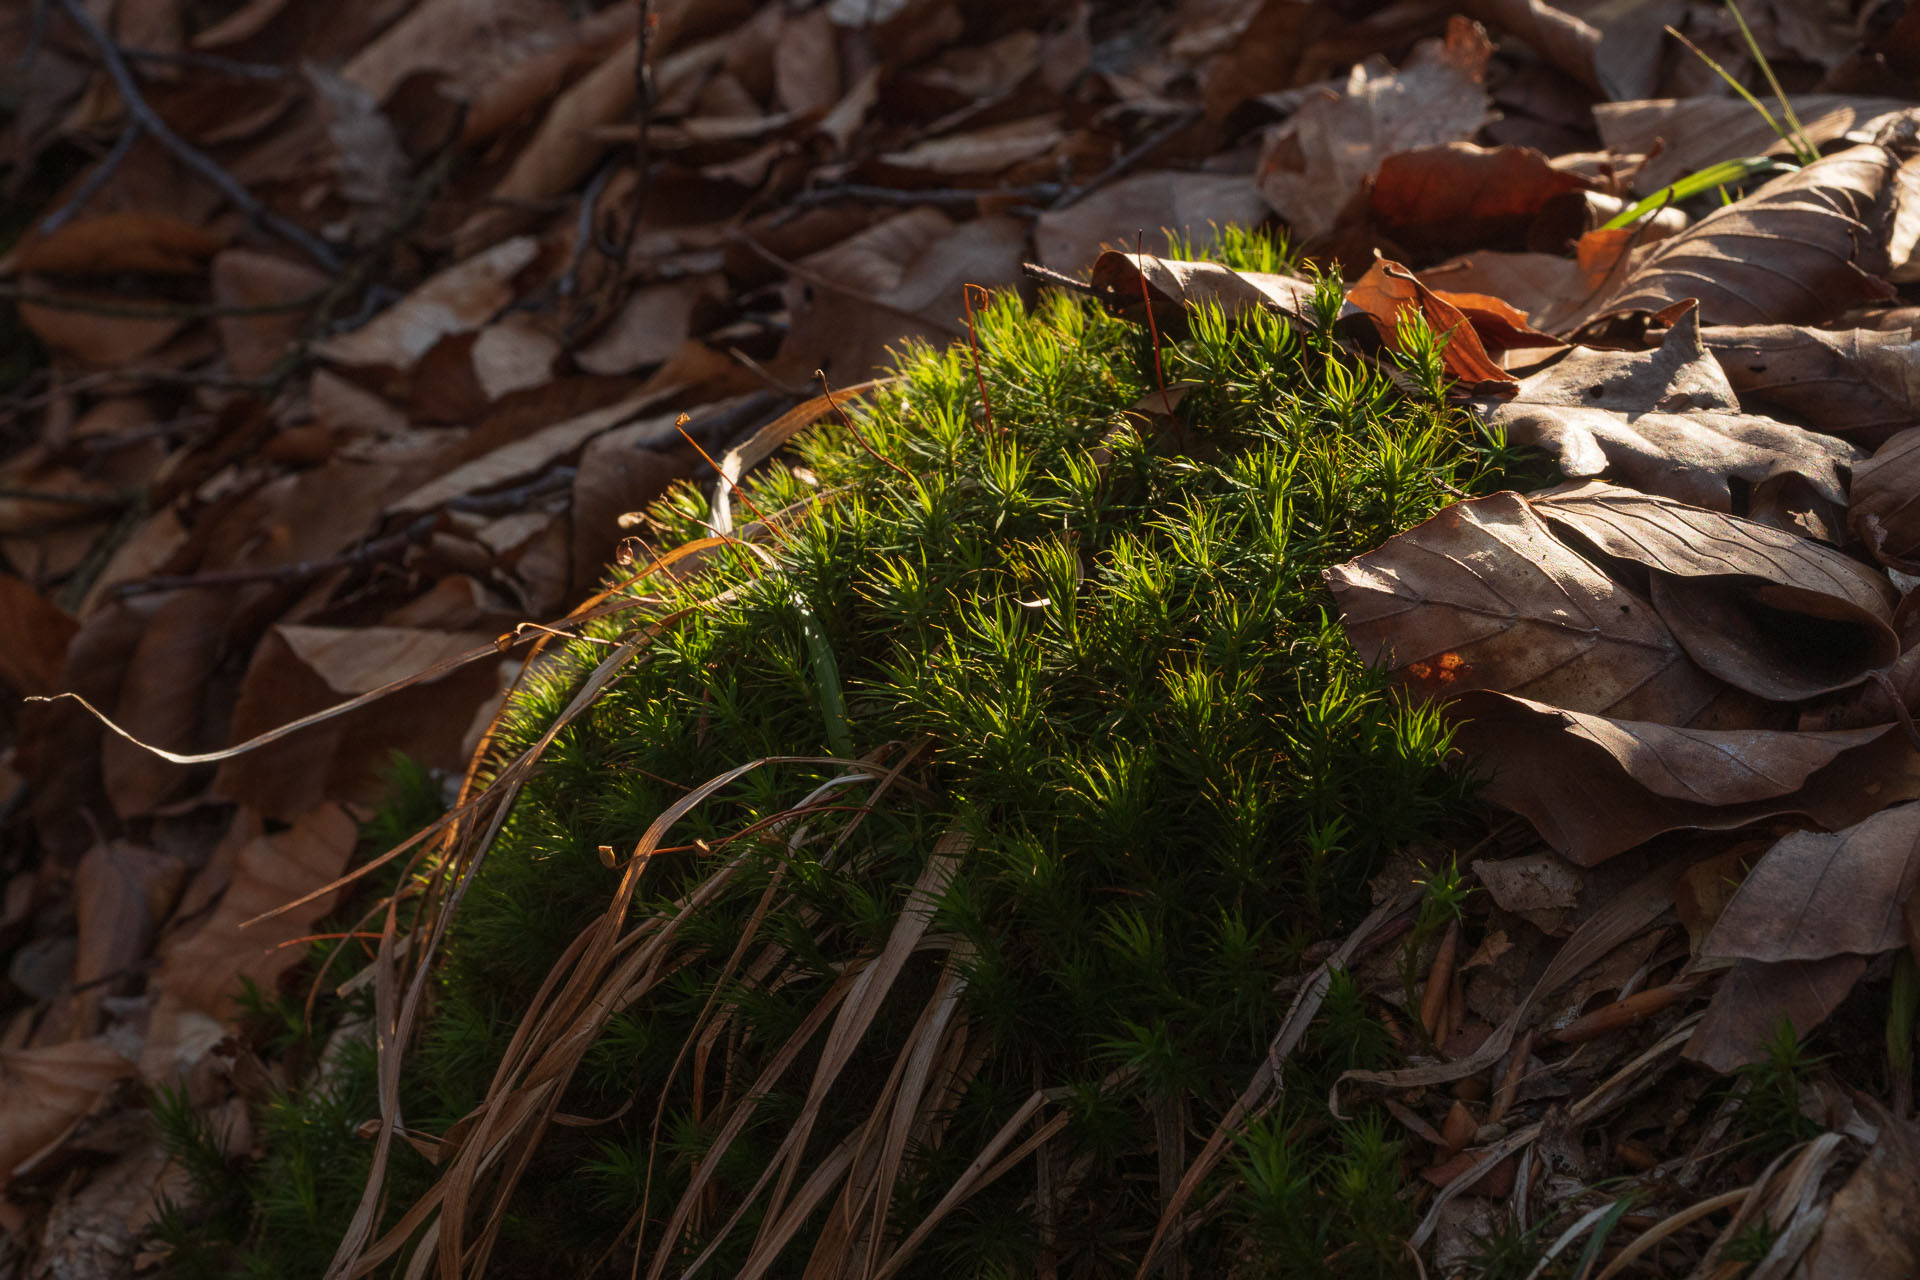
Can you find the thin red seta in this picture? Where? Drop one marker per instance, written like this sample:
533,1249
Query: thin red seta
973,343
680,425
1153,328
859,436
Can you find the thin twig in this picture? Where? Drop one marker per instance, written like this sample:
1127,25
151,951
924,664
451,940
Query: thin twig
642,119
1128,158
377,549
209,62
100,500
953,197
1054,279
122,146
585,234
149,120
155,310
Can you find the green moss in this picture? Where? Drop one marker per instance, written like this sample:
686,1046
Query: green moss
1109,640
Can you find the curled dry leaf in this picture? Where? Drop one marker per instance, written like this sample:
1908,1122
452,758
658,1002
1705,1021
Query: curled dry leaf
1388,290
1567,41
1459,195
1886,502
1069,240
1678,376
1781,616
1860,384
1311,166
1817,894
1745,1013
1693,457
1482,596
49,1088
1801,249
1871,1231
1594,786
1183,286
1556,292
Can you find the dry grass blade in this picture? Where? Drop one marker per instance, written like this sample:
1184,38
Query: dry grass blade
1257,1096
768,440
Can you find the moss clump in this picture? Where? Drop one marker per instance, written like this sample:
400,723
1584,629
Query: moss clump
1101,652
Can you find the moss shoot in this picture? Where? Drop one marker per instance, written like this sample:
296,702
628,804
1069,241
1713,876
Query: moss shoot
1094,646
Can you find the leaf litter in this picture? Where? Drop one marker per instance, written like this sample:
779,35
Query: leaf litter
242,486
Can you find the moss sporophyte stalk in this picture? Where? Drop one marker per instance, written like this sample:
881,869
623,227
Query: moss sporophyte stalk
1047,762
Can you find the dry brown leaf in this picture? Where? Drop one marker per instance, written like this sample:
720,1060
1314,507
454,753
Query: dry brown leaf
621,471
121,892
1461,196
982,152
497,101
1870,1231
1706,887
1678,376
1745,1013
1482,596
103,341
468,41
1692,457
1541,888
1801,249
49,1088
204,966
1554,291
1566,40
1886,502
299,670
111,243
651,326
458,300
1388,290
1860,384
161,695
1778,615
1183,286
254,344
1697,132
1594,787
898,279
1815,894
513,354
1312,165
34,634
533,452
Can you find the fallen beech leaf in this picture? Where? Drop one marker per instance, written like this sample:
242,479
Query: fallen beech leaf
1460,196
1594,787
497,101
1816,894
111,243
1697,132
513,354
1388,289
652,324
1312,165
1482,596
161,696
34,634
1541,888
469,41
1678,376
533,452
105,341
1706,887
203,967
1886,502
1746,1010
806,63
1555,292
1870,1231
1563,39
254,344
1191,205
458,300
982,152
898,279
1780,616
121,892
621,471
1692,457
298,670
49,1088
1186,285
1801,249
1860,384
